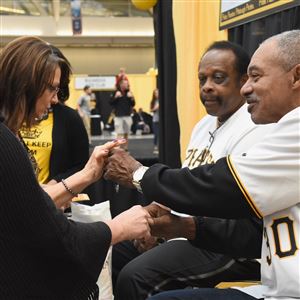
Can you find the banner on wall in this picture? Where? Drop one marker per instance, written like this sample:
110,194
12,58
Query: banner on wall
234,13
76,17
95,82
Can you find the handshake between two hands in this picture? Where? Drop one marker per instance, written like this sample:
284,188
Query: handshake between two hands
163,226
158,217
142,224
147,225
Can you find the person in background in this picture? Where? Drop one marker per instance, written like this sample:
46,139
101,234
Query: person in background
122,75
43,254
59,142
262,182
141,122
154,108
84,109
122,101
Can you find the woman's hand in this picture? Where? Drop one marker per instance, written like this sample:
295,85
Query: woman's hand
130,224
92,171
94,167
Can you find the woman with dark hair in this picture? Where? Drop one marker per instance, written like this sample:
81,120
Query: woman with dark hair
43,254
59,142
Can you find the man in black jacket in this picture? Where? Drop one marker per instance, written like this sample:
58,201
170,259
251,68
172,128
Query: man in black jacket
264,182
226,129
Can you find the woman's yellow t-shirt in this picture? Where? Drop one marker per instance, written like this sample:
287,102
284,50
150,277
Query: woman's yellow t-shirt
39,141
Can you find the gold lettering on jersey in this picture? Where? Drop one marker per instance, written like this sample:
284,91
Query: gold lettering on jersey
191,156
194,159
189,153
204,158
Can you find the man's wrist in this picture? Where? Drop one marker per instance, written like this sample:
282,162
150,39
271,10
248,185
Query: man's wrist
137,177
189,227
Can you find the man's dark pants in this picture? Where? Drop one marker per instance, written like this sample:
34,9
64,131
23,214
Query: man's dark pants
174,265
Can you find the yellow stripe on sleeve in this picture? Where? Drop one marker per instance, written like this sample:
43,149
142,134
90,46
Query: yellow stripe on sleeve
242,188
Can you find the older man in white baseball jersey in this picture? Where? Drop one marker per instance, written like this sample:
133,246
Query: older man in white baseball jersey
264,182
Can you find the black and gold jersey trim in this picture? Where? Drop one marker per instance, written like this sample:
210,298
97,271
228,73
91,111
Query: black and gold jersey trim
242,188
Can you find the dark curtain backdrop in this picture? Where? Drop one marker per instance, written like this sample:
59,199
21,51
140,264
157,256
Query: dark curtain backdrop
103,106
169,147
250,35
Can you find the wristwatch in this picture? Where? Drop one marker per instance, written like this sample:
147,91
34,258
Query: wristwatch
137,177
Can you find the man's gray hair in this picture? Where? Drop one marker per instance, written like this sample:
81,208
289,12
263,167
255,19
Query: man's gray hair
288,43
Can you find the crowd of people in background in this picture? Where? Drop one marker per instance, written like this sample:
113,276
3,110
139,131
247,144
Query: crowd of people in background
124,119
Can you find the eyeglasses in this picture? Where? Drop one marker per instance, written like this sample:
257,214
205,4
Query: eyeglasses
53,89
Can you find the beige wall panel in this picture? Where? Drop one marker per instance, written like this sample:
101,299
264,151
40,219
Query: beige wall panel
107,61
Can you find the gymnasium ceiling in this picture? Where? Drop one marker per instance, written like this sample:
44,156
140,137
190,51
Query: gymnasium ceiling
91,8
